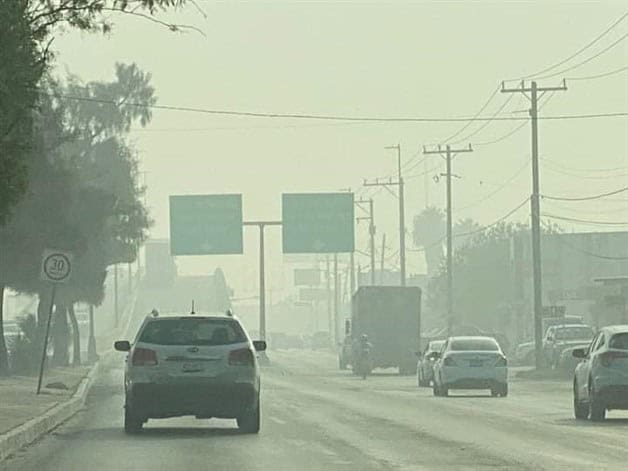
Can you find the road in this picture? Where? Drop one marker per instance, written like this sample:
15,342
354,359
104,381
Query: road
317,418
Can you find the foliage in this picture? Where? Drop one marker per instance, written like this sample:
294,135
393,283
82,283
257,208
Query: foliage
20,70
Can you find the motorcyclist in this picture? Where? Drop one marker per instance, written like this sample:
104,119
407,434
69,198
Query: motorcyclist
363,356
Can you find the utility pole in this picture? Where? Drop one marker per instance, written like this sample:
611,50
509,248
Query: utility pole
448,154
336,299
381,276
116,313
329,303
535,204
402,216
372,232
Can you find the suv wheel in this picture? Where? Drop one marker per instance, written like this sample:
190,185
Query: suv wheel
250,421
132,423
580,410
597,410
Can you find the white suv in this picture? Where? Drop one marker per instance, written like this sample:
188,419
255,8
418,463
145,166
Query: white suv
601,379
204,366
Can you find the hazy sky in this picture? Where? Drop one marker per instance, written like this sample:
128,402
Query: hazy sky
411,59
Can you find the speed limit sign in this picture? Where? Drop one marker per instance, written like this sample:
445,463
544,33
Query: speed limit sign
56,266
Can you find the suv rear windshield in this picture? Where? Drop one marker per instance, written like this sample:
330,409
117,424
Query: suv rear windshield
619,341
190,331
574,333
478,345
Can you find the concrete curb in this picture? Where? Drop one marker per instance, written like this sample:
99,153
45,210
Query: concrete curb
29,432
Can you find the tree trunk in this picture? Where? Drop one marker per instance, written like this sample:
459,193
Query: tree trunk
76,337
4,354
61,336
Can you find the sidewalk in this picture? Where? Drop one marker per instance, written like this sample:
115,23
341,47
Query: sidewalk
18,400
25,416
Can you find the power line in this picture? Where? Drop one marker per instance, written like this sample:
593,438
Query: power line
481,128
500,188
494,223
584,177
581,50
602,75
586,252
585,221
463,128
324,117
586,61
516,129
586,198
583,170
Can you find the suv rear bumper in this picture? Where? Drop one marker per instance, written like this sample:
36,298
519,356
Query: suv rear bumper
225,401
475,383
614,397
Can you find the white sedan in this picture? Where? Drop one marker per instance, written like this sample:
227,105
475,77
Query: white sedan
471,363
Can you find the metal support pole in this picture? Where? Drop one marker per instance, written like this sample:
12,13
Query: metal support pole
262,283
450,254
45,346
352,273
402,222
329,301
336,299
535,205
381,280
92,355
372,231
115,295
536,232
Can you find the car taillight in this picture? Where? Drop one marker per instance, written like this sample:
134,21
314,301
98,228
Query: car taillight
448,361
241,357
144,357
606,358
502,362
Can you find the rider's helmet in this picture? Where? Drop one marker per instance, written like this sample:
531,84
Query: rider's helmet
364,338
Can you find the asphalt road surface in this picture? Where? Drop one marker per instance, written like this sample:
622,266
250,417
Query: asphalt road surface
317,418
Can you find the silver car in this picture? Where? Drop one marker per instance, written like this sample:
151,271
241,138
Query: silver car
203,366
425,366
601,379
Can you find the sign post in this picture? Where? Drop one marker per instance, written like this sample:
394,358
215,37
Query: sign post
56,268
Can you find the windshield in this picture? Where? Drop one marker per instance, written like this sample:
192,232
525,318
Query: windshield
473,345
189,331
619,341
574,333
435,346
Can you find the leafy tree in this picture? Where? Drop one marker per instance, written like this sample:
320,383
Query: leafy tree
20,71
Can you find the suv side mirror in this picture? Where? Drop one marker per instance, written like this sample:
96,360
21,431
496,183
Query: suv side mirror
259,345
122,346
579,353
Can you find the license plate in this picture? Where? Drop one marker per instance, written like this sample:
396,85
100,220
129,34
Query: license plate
476,363
192,368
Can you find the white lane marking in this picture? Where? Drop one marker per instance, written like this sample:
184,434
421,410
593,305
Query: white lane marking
278,421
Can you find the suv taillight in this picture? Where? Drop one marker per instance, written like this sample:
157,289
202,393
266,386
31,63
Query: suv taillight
448,361
241,357
144,357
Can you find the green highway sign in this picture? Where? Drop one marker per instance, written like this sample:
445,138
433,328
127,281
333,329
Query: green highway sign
206,225
318,223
